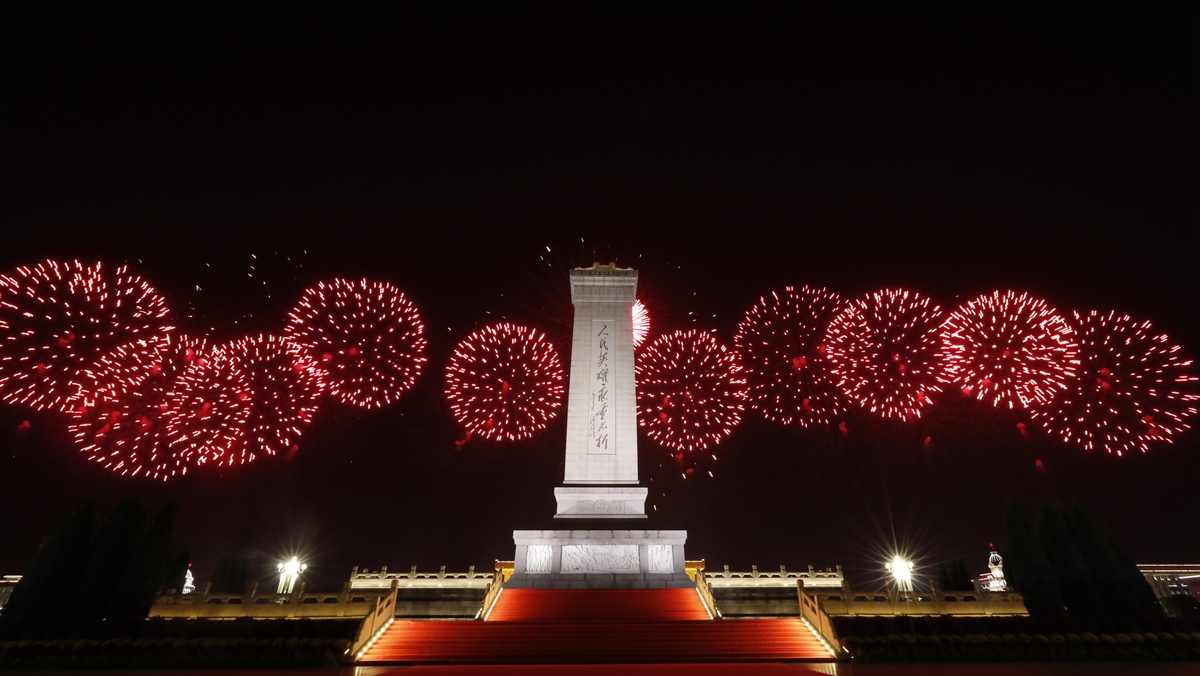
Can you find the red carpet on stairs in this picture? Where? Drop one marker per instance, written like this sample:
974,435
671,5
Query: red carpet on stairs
532,626
597,605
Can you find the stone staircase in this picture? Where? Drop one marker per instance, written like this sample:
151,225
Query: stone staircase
594,626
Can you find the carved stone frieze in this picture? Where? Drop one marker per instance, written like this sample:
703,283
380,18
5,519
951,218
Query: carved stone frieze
537,558
662,558
599,558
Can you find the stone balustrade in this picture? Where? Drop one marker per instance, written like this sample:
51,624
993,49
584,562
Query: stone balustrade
348,603
782,578
382,579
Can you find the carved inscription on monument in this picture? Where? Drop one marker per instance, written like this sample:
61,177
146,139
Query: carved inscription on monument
601,433
599,559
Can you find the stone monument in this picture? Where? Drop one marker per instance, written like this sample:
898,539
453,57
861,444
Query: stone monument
600,535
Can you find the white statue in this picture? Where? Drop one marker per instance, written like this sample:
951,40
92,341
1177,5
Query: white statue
996,578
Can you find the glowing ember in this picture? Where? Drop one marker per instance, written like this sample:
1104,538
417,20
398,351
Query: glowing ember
366,337
885,352
690,390
284,389
124,429
504,382
779,343
1134,388
1010,349
57,319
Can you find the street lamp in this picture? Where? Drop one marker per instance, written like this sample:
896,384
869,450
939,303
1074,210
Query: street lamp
901,571
289,572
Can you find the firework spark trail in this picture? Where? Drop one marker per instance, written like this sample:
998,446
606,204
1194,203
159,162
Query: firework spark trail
57,319
779,344
207,410
884,352
285,387
366,338
1134,387
1009,349
504,382
691,392
641,323
123,428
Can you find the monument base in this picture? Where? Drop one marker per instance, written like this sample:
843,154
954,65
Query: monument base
599,559
600,502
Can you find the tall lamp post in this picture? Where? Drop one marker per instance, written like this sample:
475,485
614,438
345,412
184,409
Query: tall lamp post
289,572
901,571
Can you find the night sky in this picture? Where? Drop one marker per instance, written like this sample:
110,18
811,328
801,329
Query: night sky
471,155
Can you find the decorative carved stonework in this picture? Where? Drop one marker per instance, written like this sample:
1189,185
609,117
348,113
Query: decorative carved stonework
537,558
599,558
662,558
601,507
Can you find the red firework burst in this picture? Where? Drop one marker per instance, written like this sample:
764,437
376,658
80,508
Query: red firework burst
284,389
1010,349
366,337
207,410
504,382
1134,388
690,390
57,319
641,323
885,352
779,344
124,428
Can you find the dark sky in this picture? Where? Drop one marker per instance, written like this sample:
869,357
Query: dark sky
724,153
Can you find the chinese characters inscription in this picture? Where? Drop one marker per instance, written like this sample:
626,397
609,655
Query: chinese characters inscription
601,434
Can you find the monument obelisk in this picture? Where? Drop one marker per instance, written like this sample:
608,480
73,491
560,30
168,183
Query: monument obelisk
592,544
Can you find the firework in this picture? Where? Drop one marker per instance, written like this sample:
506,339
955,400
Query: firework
779,344
1010,349
124,427
57,319
884,352
366,338
284,388
641,323
504,382
690,390
1134,388
207,410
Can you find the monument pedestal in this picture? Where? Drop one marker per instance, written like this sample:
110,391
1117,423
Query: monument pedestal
600,502
599,559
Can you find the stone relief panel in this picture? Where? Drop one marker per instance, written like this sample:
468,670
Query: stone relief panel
662,558
537,558
599,558
601,507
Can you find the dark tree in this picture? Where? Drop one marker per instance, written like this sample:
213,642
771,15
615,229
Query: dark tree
1079,589
944,582
1028,568
1182,606
52,578
115,544
231,575
146,571
1120,596
960,577
1143,594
